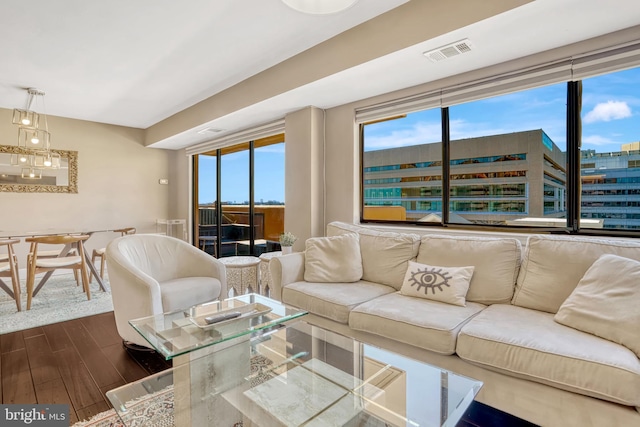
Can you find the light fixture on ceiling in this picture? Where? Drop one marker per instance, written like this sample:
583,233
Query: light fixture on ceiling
319,7
34,150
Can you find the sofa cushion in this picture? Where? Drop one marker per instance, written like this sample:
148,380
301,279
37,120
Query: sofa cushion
606,302
422,323
332,300
553,266
496,262
178,294
444,284
384,254
529,344
333,259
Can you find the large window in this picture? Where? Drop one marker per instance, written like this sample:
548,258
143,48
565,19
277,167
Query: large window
236,227
610,155
524,158
510,150
206,201
269,189
402,168
250,198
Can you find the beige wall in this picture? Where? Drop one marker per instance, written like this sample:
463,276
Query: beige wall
304,174
117,183
180,187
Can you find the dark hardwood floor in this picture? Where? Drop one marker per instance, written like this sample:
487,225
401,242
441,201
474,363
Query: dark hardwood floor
74,362
78,361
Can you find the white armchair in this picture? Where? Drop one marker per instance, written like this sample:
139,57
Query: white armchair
152,274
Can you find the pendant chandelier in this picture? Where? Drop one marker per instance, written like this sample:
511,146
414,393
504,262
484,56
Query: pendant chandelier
34,140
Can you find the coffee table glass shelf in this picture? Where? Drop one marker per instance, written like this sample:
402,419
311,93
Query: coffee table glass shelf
294,376
184,331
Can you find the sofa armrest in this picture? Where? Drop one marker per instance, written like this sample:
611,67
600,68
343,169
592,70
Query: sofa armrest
285,270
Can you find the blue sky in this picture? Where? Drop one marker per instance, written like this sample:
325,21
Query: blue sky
269,176
610,118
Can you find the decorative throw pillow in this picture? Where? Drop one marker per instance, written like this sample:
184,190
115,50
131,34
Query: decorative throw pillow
605,302
444,284
333,259
384,254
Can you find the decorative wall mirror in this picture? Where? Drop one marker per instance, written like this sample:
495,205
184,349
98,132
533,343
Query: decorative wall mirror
46,180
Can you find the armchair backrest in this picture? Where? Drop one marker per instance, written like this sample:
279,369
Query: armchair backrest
158,256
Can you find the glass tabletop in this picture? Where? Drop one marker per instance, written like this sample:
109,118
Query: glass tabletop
294,376
183,331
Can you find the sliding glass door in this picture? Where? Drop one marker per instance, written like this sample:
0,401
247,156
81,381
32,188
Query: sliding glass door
239,198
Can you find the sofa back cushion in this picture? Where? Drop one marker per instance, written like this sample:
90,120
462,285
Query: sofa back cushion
385,255
553,266
605,302
333,259
495,261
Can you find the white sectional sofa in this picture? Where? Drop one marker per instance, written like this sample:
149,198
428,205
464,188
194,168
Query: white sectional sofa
506,335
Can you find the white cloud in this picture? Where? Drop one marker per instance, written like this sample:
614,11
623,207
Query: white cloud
429,132
596,140
607,111
420,133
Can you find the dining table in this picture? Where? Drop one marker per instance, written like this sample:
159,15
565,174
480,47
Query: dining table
63,231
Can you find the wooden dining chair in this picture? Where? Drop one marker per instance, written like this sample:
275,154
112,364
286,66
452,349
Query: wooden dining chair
37,264
9,268
100,253
55,253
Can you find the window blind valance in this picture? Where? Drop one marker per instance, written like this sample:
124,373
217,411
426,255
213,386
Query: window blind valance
606,61
542,75
574,68
246,135
398,107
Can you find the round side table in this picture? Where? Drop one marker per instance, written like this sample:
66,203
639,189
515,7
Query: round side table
265,273
242,273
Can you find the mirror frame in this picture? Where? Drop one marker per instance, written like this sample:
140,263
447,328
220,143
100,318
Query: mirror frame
71,156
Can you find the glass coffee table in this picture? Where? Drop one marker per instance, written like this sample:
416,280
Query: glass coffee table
292,376
184,332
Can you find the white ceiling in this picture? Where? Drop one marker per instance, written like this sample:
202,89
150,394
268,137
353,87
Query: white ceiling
134,63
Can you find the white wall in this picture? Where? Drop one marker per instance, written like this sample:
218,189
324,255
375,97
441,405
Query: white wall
117,183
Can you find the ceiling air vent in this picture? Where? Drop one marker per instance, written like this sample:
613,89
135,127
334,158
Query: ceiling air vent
449,51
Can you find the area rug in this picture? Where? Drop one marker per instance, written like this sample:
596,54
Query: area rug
59,299
157,409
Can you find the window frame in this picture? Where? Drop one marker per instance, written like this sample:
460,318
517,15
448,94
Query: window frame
249,146
573,177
